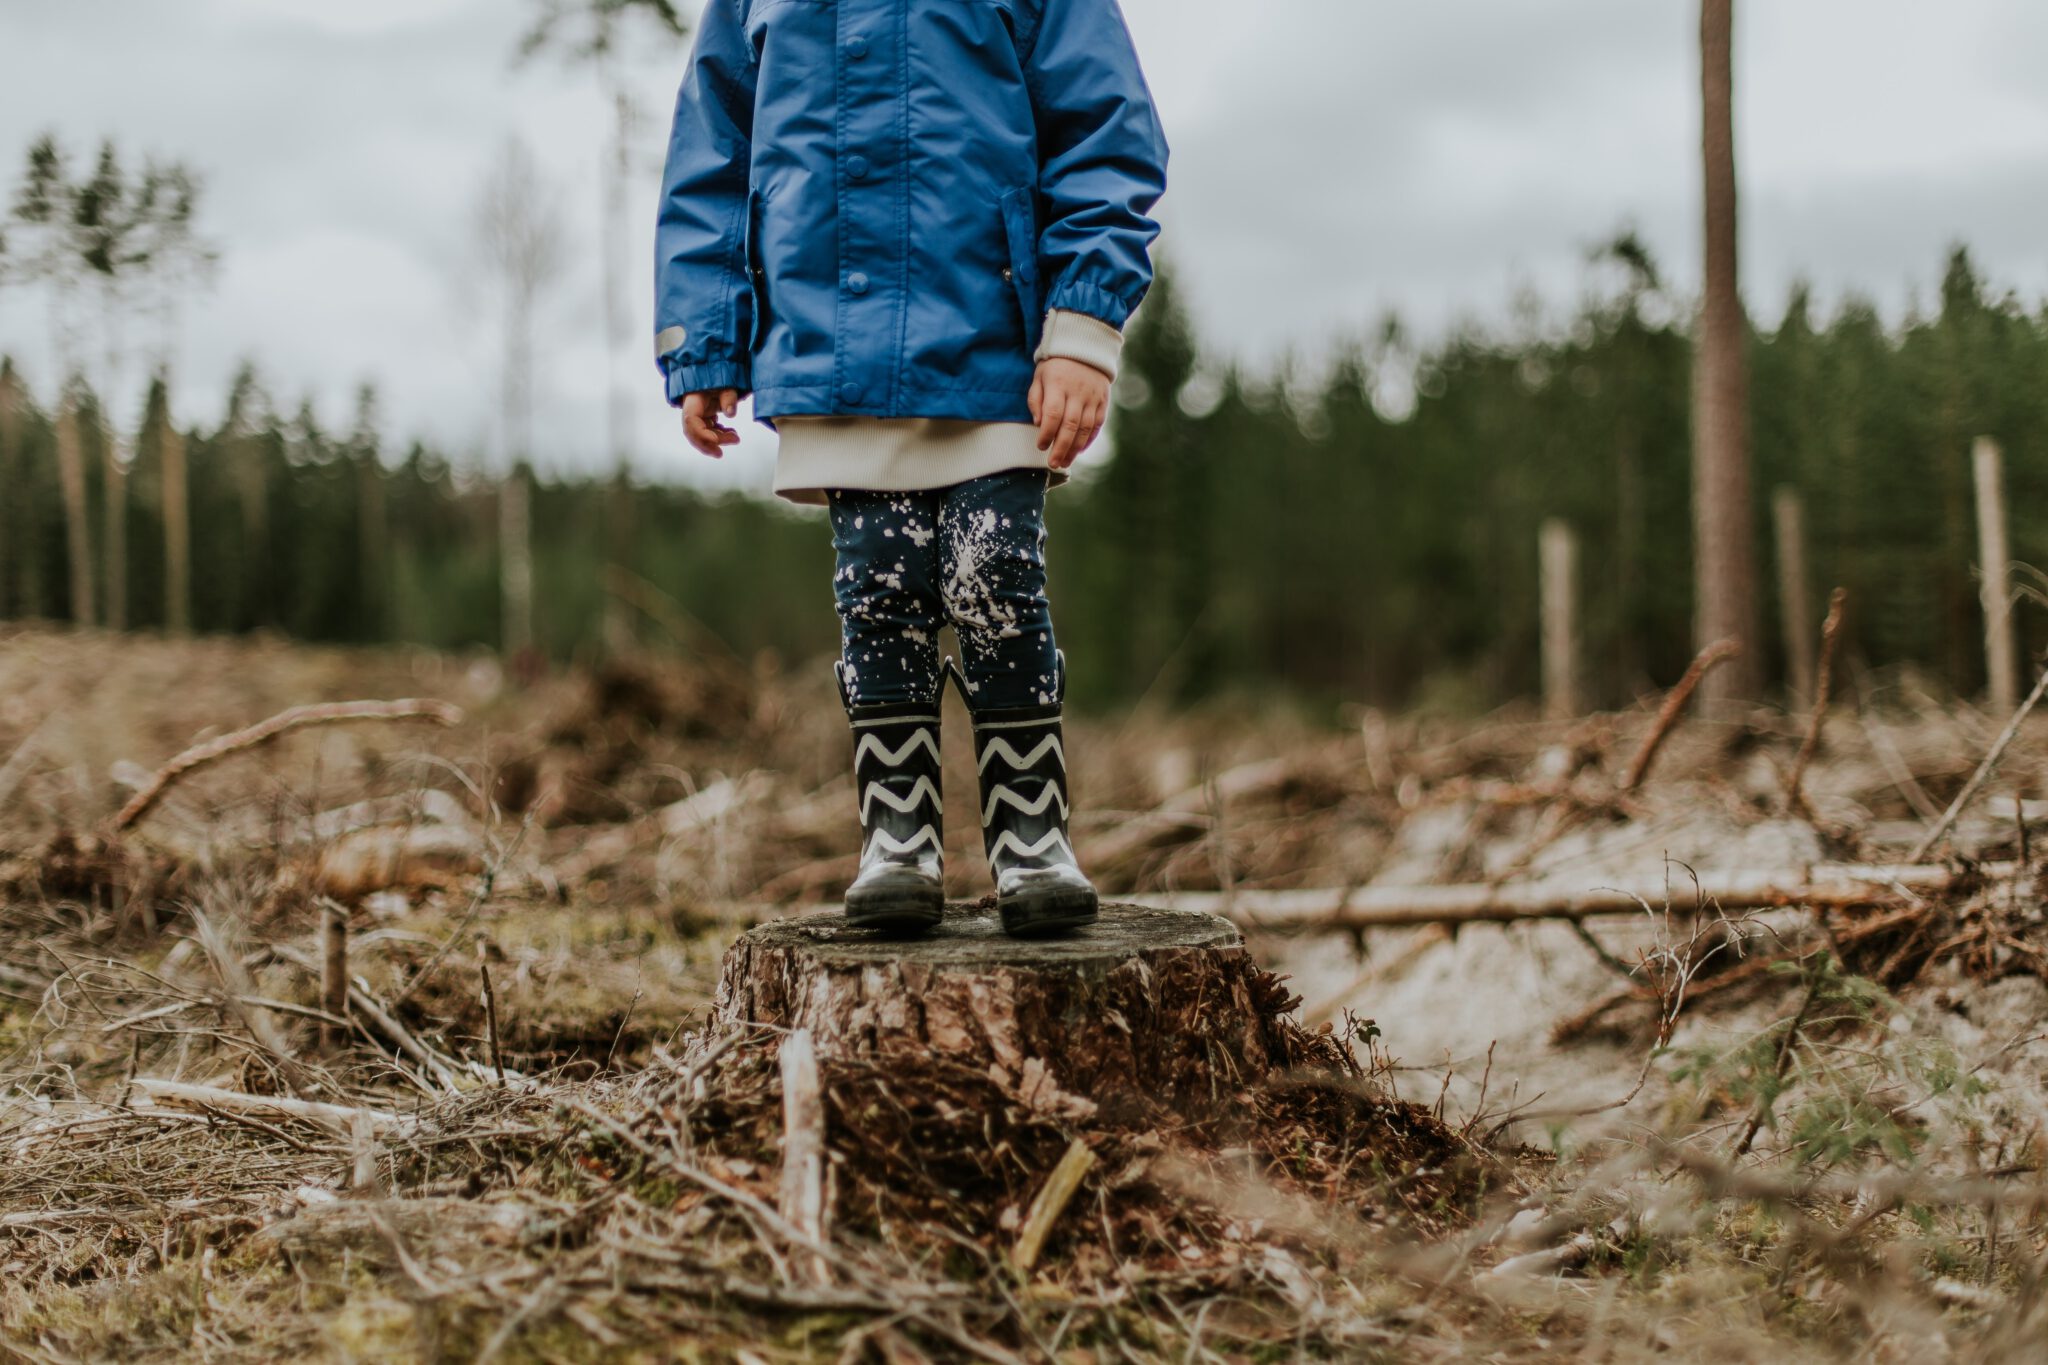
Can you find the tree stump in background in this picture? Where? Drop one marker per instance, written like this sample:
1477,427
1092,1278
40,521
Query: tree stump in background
1144,1007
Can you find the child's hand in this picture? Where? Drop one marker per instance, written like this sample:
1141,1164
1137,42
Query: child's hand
701,426
1068,401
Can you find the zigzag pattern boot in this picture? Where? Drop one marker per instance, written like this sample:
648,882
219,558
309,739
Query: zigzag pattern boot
1024,810
902,821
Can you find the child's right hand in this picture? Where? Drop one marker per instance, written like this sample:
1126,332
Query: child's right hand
701,427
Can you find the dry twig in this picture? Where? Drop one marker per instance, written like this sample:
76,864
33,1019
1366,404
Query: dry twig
1051,1201
297,718
336,1118
1982,775
1674,703
1830,635
1830,885
802,1199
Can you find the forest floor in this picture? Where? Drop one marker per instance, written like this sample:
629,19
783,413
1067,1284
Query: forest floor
1690,1132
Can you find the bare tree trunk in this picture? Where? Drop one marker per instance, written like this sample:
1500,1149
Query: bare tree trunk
252,490
520,240
1559,564
373,547
618,619
1795,597
620,636
77,531
1724,535
1632,656
515,570
16,547
114,526
177,530
515,498
114,460
2001,653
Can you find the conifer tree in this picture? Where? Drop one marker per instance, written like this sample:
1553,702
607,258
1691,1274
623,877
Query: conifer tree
587,33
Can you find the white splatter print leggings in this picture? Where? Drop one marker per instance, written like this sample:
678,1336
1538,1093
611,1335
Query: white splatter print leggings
972,554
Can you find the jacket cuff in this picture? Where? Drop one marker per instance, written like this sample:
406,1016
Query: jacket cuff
1078,296
1076,336
689,379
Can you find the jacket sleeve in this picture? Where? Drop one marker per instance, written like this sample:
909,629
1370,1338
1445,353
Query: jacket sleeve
1102,159
703,302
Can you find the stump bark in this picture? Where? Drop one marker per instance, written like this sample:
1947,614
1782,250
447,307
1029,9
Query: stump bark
1143,1008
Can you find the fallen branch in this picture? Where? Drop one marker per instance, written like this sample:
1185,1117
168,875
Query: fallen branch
1674,703
1052,1199
1821,885
802,1194
1983,773
1830,635
1572,1025
297,718
365,1008
341,1119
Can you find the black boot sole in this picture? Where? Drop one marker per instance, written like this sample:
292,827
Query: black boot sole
897,913
1055,912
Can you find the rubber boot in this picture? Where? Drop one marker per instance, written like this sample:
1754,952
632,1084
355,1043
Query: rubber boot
899,888
1024,809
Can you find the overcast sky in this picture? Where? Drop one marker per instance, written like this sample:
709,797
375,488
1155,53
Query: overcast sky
1333,160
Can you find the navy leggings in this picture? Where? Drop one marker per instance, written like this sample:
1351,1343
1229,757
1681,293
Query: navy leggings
972,554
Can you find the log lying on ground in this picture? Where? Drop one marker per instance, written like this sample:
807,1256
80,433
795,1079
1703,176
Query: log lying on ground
337,1118
1144,1006
1828,885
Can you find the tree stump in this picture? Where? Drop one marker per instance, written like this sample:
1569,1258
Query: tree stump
1145,1007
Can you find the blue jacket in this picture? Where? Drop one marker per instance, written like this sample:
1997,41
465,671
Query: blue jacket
870,204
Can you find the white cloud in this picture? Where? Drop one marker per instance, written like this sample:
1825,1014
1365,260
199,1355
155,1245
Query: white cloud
1333,159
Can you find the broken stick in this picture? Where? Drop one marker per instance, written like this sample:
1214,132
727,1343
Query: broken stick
1674,702
483,968
1830,633
1830,885
341,1119
1982,775
1052,1199
802,1195
297,718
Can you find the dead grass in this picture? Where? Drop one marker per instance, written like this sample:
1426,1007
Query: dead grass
592,843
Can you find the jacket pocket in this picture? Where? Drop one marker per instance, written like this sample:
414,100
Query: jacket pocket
1020,226
753,300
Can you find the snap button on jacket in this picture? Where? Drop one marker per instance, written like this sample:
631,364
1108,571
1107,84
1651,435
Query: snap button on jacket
870,205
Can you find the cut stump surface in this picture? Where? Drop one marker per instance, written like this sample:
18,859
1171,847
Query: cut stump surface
1144,1007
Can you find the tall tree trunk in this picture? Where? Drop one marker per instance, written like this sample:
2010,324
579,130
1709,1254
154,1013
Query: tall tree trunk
16,547
373,548
77,530
515,499
515,548
114,527
1632,654
1724,534
618,619
252,490
177,530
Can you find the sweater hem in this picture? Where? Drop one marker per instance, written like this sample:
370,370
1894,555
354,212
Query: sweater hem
962,405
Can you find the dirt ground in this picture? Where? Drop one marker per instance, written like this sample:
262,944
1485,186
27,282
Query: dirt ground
1689,1132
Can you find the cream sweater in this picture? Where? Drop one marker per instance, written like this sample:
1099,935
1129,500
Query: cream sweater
897,454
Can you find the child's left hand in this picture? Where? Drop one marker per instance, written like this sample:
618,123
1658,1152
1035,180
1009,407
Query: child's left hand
1068,401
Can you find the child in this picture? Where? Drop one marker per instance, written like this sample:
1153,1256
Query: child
913,230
